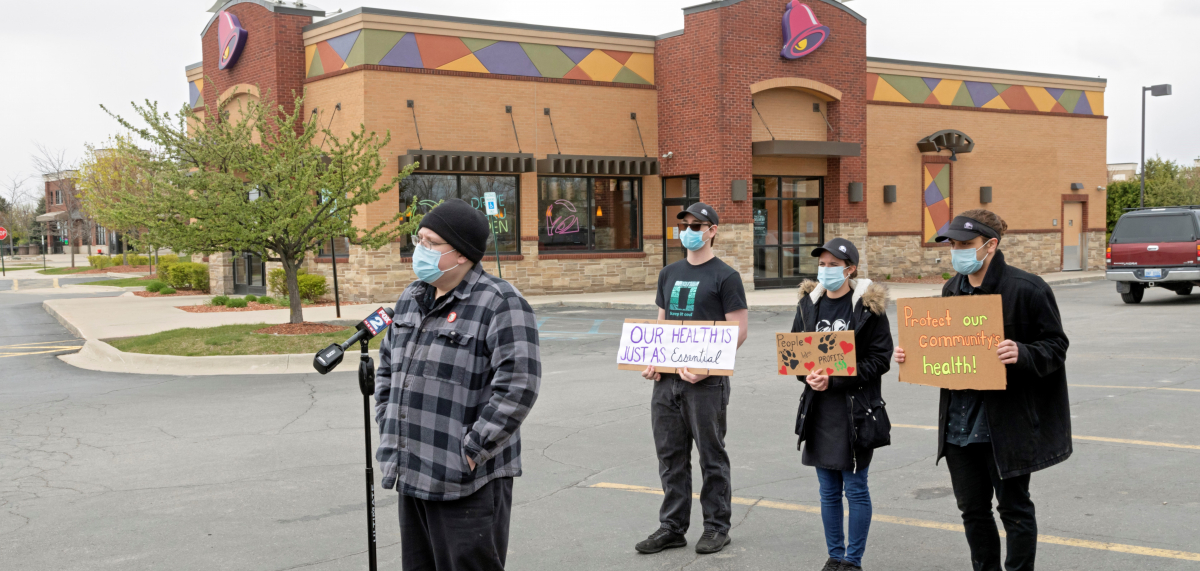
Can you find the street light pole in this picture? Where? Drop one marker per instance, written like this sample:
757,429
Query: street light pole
1156,91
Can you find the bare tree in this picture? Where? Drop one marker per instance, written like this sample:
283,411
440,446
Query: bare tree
54,163
17,209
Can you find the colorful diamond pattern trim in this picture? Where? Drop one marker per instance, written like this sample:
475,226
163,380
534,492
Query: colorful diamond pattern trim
428,51
982,95
195,93
937,199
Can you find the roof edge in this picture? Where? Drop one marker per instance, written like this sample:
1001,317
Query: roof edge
987,69
191,66
273,7
688,11
476,21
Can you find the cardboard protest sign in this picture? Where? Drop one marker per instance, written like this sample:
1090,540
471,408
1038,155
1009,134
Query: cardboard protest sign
703,347
950,342
828,352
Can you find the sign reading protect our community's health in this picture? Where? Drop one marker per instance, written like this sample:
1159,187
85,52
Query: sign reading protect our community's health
951,342
702,347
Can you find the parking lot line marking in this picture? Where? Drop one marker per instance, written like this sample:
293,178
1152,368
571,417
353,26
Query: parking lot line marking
927,524
1091,438
6,355
1138,388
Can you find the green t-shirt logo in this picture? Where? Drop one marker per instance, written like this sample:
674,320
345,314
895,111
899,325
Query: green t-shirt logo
691,288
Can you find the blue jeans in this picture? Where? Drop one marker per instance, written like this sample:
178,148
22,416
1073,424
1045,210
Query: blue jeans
859,498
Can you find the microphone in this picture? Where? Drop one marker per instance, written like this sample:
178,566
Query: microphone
329,358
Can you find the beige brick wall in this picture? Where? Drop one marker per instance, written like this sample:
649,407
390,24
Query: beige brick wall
788,115
856,233
1029,160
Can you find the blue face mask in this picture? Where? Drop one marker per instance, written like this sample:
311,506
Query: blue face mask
832,278
692,240
425,264
965,261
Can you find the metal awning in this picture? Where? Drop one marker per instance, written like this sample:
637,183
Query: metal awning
467,161
815,149
597,164
59,216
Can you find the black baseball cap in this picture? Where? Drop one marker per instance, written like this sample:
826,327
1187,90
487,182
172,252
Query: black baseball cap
965,229
701,211
841,249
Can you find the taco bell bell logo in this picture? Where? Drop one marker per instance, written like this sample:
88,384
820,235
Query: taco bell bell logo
231,37
802,33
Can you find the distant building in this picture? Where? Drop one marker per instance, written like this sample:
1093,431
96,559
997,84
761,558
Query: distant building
1118,172
61,205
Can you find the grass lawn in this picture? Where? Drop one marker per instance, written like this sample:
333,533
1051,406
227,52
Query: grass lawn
64,271
232,340
121,282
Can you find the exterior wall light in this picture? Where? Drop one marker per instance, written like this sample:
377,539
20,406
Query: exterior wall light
856,192
889,193
985,194
1077,186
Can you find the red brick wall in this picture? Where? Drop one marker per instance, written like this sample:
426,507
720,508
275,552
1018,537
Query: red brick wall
273,58
704,113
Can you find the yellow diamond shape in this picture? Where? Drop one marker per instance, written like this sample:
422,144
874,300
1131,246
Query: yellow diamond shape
600,66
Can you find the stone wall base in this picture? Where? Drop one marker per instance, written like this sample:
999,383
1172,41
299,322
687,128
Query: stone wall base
1039,253
856,233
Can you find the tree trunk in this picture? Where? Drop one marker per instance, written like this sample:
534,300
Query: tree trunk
124,249
291,270
73,238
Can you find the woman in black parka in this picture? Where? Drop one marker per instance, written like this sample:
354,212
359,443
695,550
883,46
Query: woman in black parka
841,418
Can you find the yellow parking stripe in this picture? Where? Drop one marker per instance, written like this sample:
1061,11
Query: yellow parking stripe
1091,438
1138,388
1052,539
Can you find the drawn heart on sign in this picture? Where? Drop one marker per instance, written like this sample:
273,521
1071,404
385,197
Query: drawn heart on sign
846,347
808,340
810,365
829,371
850,370
783,369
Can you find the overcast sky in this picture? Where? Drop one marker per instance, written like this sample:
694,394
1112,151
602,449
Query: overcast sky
68,57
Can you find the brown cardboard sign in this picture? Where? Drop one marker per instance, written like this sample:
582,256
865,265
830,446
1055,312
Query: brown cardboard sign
831,353
951,342
702,347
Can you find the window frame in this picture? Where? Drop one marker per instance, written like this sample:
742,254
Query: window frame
591,221
406,247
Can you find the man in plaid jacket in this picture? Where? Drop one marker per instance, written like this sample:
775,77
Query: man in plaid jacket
459,370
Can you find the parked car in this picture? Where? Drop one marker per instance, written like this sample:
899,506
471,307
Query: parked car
1155,247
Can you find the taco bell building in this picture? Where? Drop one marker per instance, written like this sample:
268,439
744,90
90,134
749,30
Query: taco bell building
594,140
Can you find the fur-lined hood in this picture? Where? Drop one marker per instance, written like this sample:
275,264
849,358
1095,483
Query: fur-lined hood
874,296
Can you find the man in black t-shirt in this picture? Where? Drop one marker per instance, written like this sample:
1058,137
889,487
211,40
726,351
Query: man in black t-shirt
689,407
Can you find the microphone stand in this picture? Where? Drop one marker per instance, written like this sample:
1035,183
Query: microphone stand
366,384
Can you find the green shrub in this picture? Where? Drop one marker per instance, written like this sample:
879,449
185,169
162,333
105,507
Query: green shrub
164,269
277,280
167,290
918,276
220,300
312,287
236,302
168,259
155,286
945,275
188,275
266,299
136,260
283,302
100,262
251,298
888,277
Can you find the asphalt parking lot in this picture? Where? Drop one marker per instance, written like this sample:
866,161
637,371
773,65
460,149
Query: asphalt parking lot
106,471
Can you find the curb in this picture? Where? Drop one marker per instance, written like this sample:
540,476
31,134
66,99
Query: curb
100,356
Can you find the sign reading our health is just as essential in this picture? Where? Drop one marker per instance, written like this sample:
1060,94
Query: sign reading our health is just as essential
702,347
951,342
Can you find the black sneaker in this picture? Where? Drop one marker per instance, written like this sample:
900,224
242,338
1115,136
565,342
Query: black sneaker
833,565
711,542
660,540
848,566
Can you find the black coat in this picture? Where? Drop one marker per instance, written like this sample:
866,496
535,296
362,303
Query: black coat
873,337
1029,421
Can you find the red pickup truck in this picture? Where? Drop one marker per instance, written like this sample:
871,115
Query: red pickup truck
1155,247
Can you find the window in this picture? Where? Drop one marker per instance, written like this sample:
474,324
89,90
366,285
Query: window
58,197
342,244
427,190
101,236
589,213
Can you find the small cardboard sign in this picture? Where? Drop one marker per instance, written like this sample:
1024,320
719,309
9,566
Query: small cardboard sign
703,347
830,353
950,342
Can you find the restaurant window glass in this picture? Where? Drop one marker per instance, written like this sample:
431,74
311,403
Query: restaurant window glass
342,244
589,214
427,190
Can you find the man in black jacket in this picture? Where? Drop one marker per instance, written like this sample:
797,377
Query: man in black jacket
993,440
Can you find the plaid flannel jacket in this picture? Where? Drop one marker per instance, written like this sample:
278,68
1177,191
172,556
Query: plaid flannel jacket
454,381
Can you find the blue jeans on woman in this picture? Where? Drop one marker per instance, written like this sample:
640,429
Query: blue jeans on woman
833,482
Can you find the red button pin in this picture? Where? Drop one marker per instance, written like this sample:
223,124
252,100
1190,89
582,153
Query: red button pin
452,317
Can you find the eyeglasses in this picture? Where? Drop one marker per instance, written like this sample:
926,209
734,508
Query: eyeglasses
422,242
695,226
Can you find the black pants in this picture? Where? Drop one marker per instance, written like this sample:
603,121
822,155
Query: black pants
467,534
975,477
681,413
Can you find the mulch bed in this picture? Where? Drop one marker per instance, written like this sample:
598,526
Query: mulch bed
306,328
252,306
119,270
177,293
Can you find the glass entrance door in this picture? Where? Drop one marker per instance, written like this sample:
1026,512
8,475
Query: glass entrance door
248,270
678,194
787,226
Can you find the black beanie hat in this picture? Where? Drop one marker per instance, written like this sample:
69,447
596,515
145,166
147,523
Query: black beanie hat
461,226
